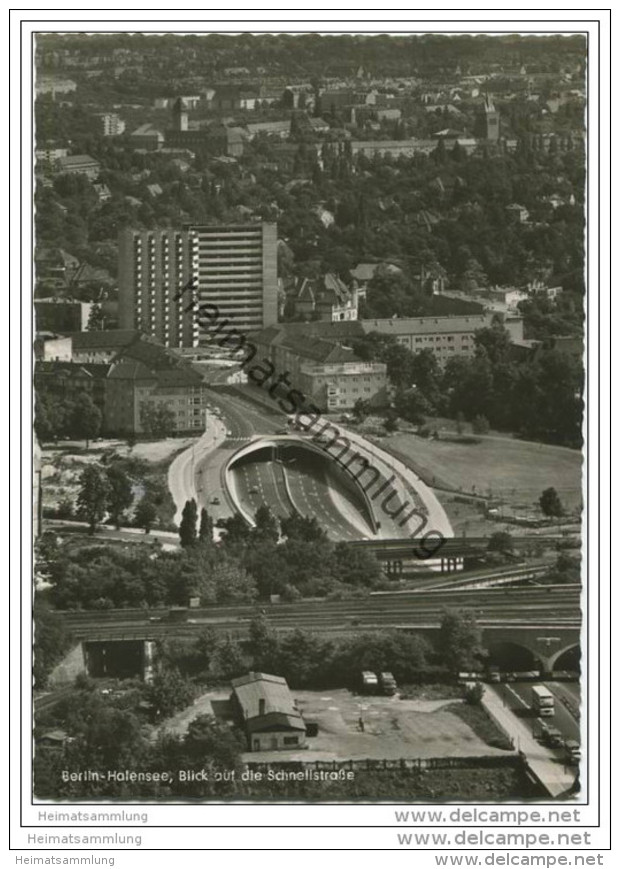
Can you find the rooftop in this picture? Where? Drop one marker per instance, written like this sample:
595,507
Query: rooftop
104,339
278,706
427,325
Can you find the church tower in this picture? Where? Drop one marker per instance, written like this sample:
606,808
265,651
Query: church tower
179,116
491,120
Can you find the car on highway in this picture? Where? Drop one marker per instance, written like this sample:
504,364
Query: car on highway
573,751
549,735
253,490
282,431
215,500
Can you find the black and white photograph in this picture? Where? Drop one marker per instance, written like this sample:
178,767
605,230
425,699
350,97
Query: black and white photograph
311,426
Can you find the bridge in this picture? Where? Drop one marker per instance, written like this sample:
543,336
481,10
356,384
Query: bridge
534,624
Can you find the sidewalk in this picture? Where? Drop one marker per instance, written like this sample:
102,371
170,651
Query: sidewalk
545,763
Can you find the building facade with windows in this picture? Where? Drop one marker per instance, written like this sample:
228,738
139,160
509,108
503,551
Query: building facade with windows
445,336
155,277
146,377
165,275
328,374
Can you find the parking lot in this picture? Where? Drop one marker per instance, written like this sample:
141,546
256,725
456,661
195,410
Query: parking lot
354,727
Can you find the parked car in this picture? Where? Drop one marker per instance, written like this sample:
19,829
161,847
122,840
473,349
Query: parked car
388,684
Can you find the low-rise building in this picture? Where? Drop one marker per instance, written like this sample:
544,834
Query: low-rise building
79,164
61,315
268,713
445,336
49,156
65,381
325,298
53,86
320,365
52,348
281,129
145,377
101,346
111,124
147,138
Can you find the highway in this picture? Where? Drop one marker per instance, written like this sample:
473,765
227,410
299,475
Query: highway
259,482
518,697
311,495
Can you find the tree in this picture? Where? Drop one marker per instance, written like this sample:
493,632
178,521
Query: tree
145,515
390,423
157,420
296,527
96,319
460,640
169,691
228,659
550,503
209,740
189,518
237,531
480,424
500,541
355,566
205,534
266,528
86,418
361,409
120,496
494,341
51,641
93,495
566,570
460,422
474,693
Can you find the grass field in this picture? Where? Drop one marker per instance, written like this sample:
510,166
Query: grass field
517,471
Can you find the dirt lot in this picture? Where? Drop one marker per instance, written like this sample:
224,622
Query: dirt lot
393,728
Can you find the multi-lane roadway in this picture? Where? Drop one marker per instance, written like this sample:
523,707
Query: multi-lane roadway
284,488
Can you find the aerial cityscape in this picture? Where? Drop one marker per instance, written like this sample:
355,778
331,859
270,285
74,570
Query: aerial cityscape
308,404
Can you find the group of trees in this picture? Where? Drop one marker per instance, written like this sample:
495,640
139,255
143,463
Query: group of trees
538,398
55,418
293,558
157,420
108,491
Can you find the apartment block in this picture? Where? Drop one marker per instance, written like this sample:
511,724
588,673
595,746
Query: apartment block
445,336
236,269
111,124
156,270
165,275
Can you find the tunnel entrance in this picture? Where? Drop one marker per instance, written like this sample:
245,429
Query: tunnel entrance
569,661
511,657
120,659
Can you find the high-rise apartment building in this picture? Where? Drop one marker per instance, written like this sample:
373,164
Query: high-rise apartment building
237,270
165,275
155,270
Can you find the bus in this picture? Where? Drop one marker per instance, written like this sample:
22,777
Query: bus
542,701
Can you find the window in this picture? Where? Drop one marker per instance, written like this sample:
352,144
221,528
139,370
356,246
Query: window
291,740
